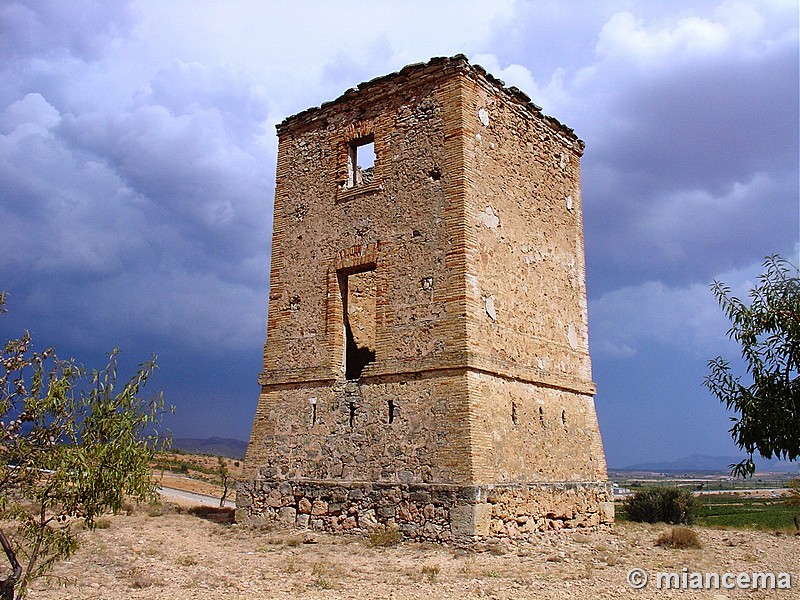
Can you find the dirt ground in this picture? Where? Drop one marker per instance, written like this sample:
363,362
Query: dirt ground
169,555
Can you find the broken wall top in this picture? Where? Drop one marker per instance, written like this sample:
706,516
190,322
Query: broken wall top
386,85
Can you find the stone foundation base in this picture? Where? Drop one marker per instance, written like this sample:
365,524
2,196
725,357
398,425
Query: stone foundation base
435,512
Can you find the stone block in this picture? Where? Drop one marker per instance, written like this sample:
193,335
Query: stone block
335,508
304,506
287,515
366,519
471,519
607,512
385,512
319,507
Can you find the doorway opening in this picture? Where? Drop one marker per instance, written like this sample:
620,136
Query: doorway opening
359,291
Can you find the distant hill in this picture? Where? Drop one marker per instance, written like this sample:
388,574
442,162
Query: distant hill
707,464
228,447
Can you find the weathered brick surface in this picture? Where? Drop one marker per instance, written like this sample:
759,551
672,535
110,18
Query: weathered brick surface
457,261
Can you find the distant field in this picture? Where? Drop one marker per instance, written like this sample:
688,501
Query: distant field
706,484
740,512
769,514
198,473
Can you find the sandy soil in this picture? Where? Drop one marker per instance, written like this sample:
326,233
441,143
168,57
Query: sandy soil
160,554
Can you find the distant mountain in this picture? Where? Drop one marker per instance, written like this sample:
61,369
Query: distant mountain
228,447
703,463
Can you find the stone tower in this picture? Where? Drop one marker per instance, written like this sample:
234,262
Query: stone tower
427,360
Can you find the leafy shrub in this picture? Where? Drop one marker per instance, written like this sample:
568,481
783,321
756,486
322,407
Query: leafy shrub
793,498
667,504
680,538
385,535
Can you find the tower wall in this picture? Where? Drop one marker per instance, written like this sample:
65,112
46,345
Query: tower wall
527,318
427,356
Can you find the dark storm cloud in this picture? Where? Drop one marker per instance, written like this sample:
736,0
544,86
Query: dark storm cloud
714,123
148,218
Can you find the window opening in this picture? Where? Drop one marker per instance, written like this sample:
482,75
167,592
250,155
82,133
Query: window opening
541,416
359,291
391,411
564,418
514,416
352,414
313,402
360,161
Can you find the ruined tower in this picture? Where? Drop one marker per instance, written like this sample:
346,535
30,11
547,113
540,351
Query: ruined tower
427,359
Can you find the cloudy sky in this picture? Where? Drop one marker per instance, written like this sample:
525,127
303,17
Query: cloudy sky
137,162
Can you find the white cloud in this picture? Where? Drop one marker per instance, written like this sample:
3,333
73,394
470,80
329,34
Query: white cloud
32,114
303,52
624,37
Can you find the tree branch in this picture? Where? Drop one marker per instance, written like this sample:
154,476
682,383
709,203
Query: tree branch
7,585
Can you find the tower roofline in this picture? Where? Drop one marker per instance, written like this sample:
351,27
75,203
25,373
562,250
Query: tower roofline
435,67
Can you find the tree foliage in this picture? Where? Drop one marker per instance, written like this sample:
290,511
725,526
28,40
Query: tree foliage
73,445
768,331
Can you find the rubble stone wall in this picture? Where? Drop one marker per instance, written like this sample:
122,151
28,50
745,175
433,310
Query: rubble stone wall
435,512
398,226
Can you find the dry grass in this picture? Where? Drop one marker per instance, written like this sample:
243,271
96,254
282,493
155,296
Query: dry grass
140,578
679,538
181,556
431,572
325,575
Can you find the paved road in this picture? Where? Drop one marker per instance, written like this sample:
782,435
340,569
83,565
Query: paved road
765,491
192,497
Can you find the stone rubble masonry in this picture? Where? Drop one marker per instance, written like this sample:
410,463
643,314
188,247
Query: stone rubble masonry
460,264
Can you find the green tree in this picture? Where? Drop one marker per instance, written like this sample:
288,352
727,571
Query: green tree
224,479
73,446
768,331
